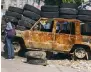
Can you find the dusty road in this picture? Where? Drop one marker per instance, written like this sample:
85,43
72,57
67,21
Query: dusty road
18,65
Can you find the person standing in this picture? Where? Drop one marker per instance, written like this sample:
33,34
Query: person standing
9,35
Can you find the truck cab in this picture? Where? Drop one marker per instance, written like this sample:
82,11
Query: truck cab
58,34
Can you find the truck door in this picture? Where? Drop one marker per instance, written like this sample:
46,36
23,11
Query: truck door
64,36
41,36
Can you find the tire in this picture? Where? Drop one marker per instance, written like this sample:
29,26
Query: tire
12,19
79,55
3,27
50,14
22,28
37,61
28,20
36,57
84,17
32,9
25,24
15,9
84,12
68,5
36,54
3,17
21,23
49,8
3,22
68,11
68,16
31,15
16,48
13,14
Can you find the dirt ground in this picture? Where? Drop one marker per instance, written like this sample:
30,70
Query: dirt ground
61,65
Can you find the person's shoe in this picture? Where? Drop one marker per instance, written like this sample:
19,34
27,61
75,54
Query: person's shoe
12,57
9,58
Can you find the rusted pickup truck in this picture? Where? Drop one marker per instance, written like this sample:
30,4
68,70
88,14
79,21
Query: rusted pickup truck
60,35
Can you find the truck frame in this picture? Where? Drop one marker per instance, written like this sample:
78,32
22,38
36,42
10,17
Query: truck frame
68,39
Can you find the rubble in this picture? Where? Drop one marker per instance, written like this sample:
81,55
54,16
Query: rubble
79,65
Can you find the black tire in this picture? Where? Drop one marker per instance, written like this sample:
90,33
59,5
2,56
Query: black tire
13,14
3,27
68,11
31,15
84,17
37,61
28,20
49,8
25,24
16,48
3,22
12,19
32,9
15,9
22,28
68,5
21,23
3,17
84,12
68,16
78,55
50,14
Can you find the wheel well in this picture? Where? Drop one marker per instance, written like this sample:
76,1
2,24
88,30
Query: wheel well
86,47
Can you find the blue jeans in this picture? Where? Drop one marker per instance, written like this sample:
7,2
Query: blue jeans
9,46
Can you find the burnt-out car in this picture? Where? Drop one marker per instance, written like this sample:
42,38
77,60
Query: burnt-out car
60,35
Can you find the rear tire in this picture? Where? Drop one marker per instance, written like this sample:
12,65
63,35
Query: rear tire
80,53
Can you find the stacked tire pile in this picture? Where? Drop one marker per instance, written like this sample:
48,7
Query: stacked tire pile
29,17
85,16
68,11
13,14
49,11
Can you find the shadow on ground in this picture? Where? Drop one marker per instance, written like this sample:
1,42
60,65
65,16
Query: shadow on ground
59,56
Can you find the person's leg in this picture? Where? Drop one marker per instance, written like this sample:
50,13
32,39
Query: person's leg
7,42
12,49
